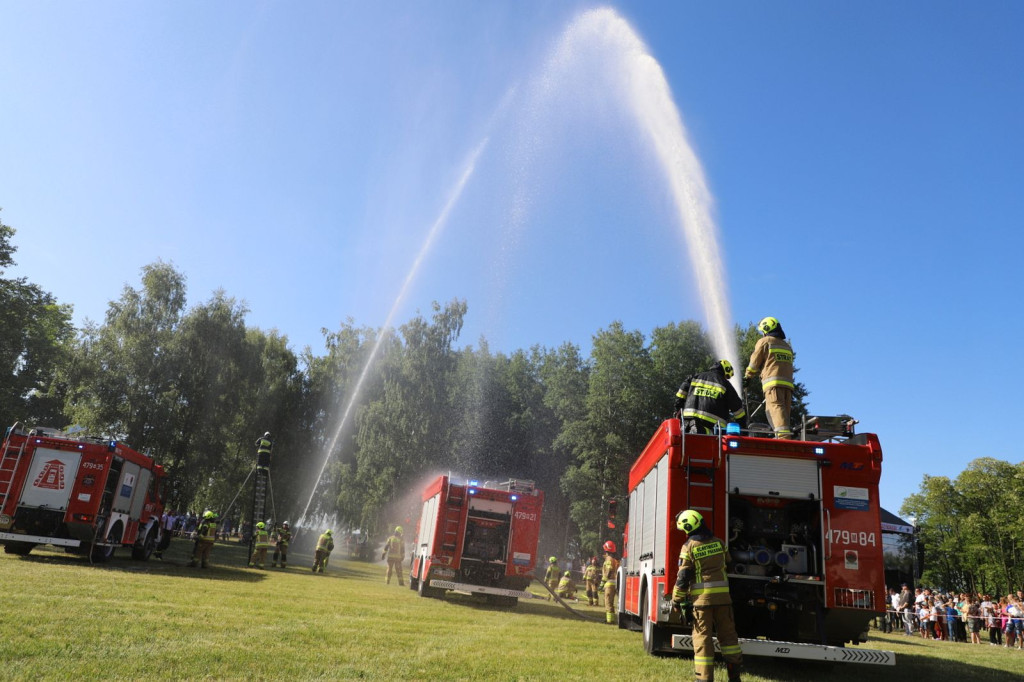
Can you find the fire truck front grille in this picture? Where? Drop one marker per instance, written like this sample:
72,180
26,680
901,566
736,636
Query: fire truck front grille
855,599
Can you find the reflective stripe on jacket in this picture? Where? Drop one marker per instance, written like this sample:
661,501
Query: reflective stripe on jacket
208,531
773,357
710,396
395,547
705,559
262,539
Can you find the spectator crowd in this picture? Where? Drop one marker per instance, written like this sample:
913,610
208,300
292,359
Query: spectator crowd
959,617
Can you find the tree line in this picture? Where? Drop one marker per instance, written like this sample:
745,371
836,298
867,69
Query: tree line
194,386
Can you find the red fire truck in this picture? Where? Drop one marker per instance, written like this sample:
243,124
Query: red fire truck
87,495
480,539
801,520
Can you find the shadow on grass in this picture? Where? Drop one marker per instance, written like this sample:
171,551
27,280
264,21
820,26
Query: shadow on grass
908,667
538,606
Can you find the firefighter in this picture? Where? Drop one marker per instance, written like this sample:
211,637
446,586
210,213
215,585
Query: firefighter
551,576
264,445
592,578
394,552
702,585
259,556
708,400
773,358
609,574
284,536
324,546
206,535
566,587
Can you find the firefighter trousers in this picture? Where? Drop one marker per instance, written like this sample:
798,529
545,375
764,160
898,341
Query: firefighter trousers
396,566
593,592
717,619
777,403
280,551
609,602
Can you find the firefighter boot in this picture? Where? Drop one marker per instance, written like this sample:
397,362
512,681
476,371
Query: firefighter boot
734,671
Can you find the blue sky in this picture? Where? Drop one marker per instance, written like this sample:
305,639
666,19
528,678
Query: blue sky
866,161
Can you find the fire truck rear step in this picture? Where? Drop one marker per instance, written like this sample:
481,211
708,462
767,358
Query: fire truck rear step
795,650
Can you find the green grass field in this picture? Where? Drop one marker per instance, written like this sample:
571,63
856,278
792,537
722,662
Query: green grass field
64,619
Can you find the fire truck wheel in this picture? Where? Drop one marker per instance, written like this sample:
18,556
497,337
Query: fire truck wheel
429,592
142,552
654,636
18,548
101,554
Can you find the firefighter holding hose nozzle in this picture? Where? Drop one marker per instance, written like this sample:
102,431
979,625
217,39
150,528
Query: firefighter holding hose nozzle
702,585
707,400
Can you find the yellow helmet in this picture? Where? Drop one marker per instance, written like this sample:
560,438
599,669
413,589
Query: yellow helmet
688,521
568,574
208,515
327,532
768,325
261,525
553,560
727,367
398,530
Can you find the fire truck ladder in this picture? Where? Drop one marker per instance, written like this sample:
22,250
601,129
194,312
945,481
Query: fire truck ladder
261,487
452,516
700,484
8,465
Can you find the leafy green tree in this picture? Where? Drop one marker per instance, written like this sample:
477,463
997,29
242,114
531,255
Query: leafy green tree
34,335
621,414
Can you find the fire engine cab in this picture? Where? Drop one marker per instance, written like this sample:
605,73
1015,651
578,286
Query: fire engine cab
480,539
801,519
87,495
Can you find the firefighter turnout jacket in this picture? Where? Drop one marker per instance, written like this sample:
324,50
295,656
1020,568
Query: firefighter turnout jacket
773,358
702,574
710,397
394,548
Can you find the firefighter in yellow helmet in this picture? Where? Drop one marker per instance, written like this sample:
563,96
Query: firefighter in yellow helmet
551,576
592,577
566,587
701,583
773,358
206,535
324,547
708,400
610,574
262,538
394,552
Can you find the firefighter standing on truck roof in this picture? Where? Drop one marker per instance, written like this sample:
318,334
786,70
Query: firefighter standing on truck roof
259,556
394,552
324,545
551,576
773,358
206,534
592,577
708,400
263,448
284,536
702,584
609,574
